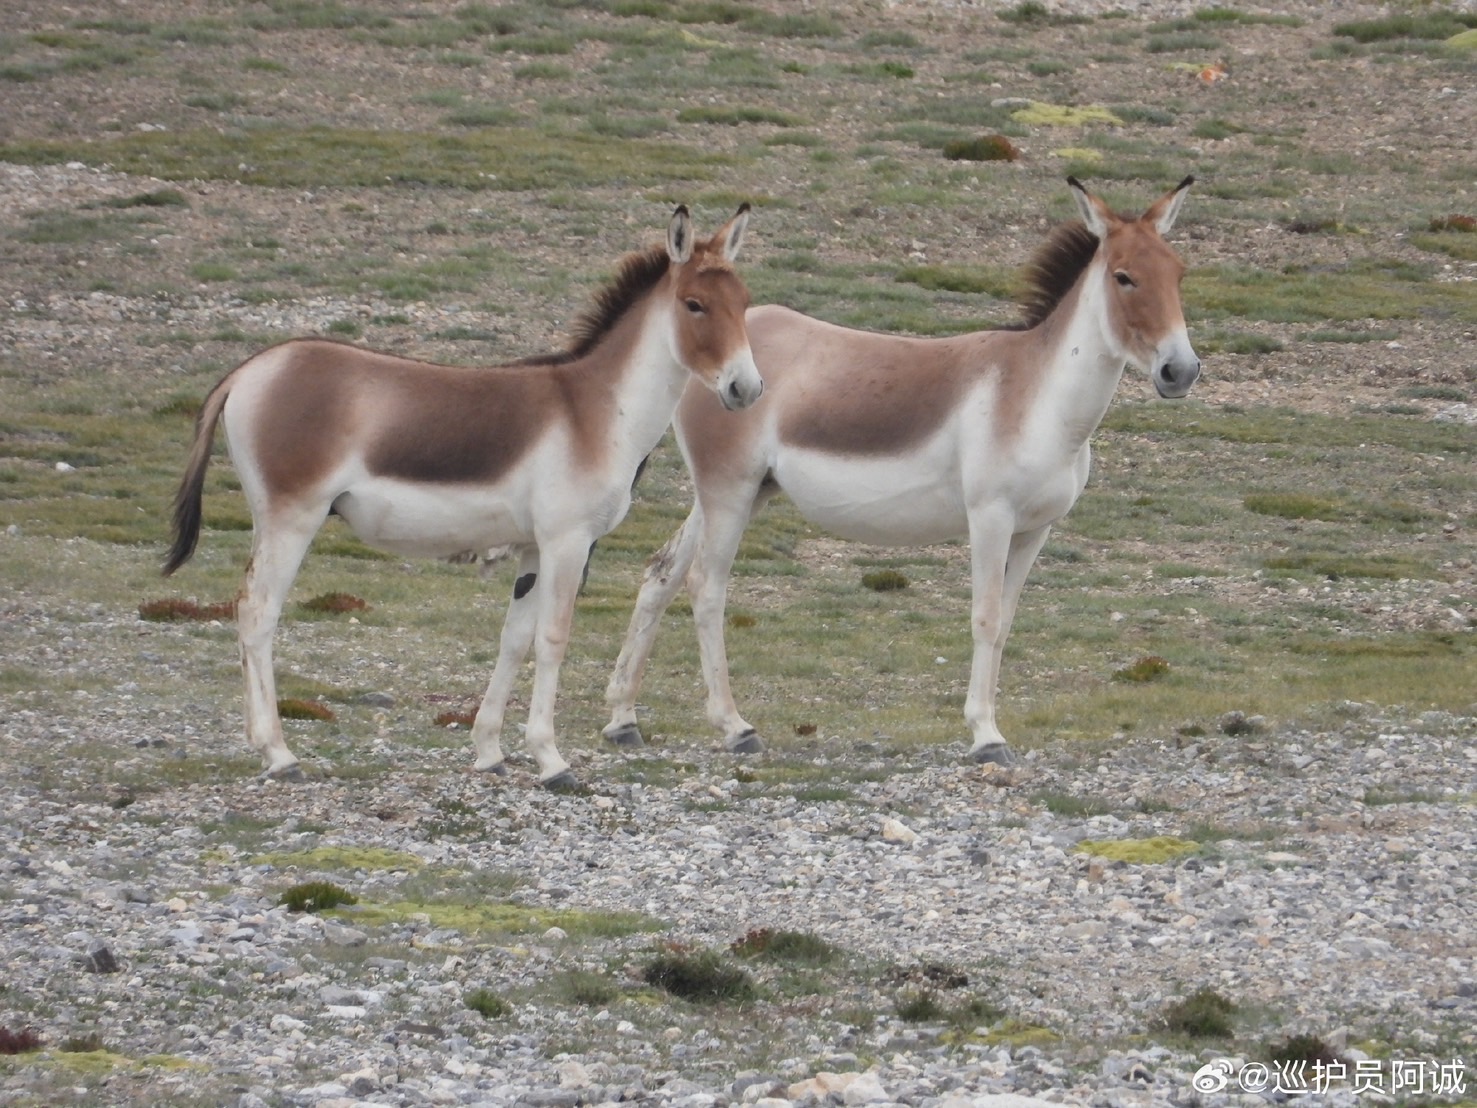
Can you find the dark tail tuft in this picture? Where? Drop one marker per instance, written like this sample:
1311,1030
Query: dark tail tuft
187,510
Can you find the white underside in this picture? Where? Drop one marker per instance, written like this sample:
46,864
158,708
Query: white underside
888,501
435,521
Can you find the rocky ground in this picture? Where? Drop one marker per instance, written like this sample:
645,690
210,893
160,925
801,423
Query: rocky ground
1319,880
1329,892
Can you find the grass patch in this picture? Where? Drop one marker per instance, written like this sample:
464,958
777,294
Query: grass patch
786,947
1204,1014
486,1003
1440,23
734,116
494,157
704,977
316,896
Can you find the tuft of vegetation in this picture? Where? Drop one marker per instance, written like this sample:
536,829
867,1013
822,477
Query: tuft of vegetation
316,896
593,990
703,978
1150,667
884,580
486,1003
788,947
158,198
1204,1014
19,1042
1463,223
173,610
1436,23
296,708
456,719
919,1006
985,148
335,602
732,117
1291,505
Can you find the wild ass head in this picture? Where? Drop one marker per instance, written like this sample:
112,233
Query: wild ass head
709,301
1141,276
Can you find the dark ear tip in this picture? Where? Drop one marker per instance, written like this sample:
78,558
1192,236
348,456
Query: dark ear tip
1076,184
681,210
744,208
1186,183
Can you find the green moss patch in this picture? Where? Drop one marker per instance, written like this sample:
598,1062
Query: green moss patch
1041,114
1160,848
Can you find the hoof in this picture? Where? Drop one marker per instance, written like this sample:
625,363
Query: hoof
498,768
998,753
293,771
747,743
627,737
562,782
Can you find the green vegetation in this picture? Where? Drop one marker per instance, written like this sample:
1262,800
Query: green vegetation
316,896
487,1004
1204,1014
704,977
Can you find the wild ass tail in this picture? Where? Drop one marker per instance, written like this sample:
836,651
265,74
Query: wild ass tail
187,512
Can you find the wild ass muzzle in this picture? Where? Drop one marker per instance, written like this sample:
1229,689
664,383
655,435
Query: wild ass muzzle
892,440
432,460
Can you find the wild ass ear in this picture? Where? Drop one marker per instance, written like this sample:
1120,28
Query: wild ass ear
1093,211
679,235
1166,209
732,233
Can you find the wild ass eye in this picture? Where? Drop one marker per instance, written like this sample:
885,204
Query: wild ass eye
694,306
1124,280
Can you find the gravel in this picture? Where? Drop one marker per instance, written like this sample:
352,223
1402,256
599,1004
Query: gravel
1330,894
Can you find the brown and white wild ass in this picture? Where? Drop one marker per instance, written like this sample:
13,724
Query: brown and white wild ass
893,440
432,460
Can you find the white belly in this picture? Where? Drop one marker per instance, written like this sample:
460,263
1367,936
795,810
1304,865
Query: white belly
881,501
431,521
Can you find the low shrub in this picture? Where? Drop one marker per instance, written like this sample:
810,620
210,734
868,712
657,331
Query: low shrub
316,896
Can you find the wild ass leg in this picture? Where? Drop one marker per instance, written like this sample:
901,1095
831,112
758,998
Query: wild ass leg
561,567
517,635
659,584
707,584
999,571
277,552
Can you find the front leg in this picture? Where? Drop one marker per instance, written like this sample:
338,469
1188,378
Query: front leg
518,628
999,567
560,570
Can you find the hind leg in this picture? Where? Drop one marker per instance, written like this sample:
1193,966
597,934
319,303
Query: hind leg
277,552
517,635
663,577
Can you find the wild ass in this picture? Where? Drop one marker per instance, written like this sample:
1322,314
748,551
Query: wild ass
432,460
892,440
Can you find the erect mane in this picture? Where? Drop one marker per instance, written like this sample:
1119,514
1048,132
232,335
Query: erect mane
636,275
1054,269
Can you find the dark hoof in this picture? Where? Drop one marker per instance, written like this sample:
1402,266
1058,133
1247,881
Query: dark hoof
747,743
293,772
565,782
500,769
998,753
627,736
